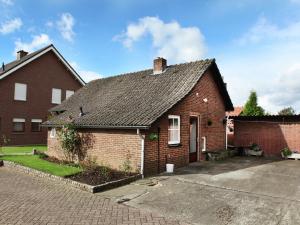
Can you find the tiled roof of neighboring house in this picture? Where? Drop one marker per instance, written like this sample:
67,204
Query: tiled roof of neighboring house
13,64
135,99
236,112
16,64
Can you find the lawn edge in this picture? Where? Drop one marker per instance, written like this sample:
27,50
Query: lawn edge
75,184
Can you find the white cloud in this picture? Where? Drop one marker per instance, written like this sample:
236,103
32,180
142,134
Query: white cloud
86,75
37,42
270,65
11,26
65,26
170,40
285,91
263,30
7,2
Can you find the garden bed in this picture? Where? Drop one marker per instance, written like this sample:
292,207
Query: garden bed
100,175
89,177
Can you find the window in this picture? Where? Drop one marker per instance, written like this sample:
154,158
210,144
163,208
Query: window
174,129
69,93
18,125
20,92
56,96
53,133
36,125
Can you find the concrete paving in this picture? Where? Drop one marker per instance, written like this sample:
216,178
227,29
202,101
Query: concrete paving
241,190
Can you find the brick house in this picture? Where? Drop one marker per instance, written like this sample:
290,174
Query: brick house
230,125
168,114
29,87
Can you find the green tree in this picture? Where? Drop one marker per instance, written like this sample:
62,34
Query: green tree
288,111
251,107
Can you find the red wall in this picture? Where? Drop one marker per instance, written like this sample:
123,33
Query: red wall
190,105
40,75
270,136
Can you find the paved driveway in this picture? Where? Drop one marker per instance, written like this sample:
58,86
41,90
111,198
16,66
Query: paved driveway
29,200
238,191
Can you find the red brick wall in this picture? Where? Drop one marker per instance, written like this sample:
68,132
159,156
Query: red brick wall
111,146
108,147
40,75
271,137
190,105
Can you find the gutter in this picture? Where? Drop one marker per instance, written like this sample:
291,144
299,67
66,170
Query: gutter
142,151
98,126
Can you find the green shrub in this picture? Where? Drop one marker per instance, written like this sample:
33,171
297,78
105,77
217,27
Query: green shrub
286,152
255,147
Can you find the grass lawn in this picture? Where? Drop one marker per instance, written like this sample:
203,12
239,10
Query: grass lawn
35,162
22,149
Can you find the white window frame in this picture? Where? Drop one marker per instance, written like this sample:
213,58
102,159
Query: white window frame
53,133
56,91
19,120
36,121
178,118
20,93
69,93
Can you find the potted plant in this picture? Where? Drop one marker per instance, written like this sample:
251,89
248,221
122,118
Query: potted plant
255,150
286,152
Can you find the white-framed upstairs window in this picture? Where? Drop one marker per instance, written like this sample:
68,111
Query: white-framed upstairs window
69,93
53,133
174,130
56,96
20,92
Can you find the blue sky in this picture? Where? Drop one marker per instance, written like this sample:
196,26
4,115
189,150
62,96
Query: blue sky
256,43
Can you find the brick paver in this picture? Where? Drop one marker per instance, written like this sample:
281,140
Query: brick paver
25,199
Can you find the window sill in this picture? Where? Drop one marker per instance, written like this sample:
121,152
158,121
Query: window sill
174,145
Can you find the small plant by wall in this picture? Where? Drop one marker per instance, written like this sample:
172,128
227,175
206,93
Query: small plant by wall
3,142
126,166
153,137
286,152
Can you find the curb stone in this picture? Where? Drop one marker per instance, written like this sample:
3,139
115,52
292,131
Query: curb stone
75,184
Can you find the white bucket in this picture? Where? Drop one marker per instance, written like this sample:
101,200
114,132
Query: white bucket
170,168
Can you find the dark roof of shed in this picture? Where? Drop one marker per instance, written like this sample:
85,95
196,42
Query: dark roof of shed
268,118
135,99
15,63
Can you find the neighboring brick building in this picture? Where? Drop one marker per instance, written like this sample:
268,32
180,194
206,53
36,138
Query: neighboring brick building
271,133
29,87
168,114
230,125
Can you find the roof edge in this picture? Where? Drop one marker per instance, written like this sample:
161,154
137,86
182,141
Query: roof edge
97,126
47,49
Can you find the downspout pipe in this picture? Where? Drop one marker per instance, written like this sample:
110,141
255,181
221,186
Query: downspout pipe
142,151
226,132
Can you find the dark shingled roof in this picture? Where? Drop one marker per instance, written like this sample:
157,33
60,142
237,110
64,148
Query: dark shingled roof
15,63
134,99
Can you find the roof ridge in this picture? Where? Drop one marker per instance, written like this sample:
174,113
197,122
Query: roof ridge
142,71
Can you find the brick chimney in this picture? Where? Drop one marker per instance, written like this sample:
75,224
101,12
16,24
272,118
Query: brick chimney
21,54
159,65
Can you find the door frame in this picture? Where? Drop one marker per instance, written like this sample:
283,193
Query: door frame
198,144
